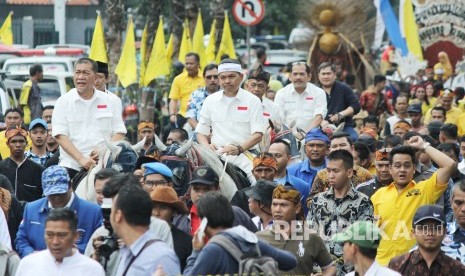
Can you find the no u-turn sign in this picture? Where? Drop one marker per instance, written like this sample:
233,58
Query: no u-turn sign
248,12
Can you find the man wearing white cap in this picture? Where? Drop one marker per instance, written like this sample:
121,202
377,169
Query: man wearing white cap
235,117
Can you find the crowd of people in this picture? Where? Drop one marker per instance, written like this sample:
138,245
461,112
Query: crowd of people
338,182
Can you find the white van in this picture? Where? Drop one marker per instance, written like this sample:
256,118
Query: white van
50,64
51,87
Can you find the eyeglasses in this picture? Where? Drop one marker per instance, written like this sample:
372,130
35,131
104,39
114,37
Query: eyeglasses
429,229
155,183
211,77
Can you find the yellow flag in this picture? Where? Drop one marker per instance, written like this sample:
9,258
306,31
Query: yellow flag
143,56
210,51
197,41
6,33
158,64
227,44
186,44
170,50
98,47
127,65
411,30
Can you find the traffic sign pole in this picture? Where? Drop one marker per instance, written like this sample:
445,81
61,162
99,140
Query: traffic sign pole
248,48
248,13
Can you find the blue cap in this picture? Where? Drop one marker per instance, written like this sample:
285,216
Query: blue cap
55,180
38,122
157,168
316,134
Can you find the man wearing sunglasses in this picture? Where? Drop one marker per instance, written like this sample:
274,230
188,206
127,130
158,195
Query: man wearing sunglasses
210,75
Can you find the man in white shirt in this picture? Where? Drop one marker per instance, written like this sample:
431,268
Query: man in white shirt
5,238
101,80
84,118
361,241
257,84
235,117
301,102
60,257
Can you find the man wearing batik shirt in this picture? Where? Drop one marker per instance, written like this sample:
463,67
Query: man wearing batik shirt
428,230
257,84
210,75
383,176
335,209
454,242
340,140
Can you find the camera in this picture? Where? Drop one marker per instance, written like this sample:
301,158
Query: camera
110,242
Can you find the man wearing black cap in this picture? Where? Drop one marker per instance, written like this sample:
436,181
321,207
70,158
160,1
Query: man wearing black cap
429,229
101,80
204,179
257,84
414,112
260,196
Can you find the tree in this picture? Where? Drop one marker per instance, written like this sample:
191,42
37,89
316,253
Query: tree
116,25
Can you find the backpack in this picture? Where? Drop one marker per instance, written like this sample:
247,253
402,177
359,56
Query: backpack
251,263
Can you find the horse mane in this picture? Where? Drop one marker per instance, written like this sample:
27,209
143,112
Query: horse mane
227,185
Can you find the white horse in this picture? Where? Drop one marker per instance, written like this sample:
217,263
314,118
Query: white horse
120,155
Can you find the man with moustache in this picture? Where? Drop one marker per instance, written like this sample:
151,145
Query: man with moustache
301,102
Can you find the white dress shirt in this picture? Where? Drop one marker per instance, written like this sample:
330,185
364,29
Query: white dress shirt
377,270
87,123
301,108
5,238
43,263
233,120
270,111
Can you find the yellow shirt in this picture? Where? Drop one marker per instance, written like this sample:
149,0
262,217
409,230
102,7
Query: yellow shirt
5,150
451,116
395,213
372,169
182,88
461,125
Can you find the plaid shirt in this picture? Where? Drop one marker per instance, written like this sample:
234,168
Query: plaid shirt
195,104
41,160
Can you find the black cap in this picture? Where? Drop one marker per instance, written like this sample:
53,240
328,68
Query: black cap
414,108
204,175
429,212
102,67
262,191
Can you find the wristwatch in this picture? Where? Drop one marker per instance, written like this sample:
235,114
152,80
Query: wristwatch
426,145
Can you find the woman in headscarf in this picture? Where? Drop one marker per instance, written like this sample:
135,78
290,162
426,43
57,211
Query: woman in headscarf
443,66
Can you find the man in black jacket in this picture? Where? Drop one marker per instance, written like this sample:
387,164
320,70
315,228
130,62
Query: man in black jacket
24,174
341,100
